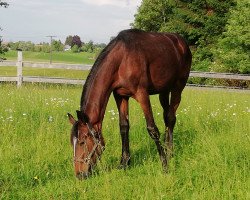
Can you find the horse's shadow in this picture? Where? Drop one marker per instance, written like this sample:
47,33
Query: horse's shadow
183,139
143,154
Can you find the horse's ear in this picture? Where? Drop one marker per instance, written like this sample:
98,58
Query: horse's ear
82,117
71,119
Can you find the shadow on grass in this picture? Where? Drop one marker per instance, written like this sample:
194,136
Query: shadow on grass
143,151
183,141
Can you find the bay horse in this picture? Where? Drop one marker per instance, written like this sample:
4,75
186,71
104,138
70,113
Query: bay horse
134,64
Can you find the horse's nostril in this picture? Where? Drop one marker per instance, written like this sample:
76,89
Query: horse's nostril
82,175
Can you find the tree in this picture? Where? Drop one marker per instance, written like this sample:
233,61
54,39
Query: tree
4,4
199,22
57,45
45,47
75,49
25,46
152,14
76,41
233,48
88,47
2,49
69,40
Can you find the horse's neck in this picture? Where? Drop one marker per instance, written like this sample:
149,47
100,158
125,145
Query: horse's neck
99,90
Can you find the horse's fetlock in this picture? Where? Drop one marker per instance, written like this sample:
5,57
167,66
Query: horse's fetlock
124,128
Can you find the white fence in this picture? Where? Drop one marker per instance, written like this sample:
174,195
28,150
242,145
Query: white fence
38,79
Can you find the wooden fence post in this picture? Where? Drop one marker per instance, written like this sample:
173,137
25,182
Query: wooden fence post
19,68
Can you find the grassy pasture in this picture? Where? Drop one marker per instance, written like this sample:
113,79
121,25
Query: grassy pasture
63,57
211,148
29,71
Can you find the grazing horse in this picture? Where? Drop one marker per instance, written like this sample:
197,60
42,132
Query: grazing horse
134,64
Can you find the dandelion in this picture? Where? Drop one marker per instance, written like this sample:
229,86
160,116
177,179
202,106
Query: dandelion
158,113
234,114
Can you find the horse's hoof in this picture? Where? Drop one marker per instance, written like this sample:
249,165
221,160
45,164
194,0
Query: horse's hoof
124,164
124,167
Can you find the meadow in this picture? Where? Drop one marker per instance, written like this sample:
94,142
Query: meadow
29,71
211,148
57,57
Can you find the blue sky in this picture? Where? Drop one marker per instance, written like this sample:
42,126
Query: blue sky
97,20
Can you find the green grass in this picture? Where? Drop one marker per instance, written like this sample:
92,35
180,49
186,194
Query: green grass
64,57
29,71
211,142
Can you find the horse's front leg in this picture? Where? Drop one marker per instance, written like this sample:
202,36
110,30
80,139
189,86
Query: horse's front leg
122,105
143,98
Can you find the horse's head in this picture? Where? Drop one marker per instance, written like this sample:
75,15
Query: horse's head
87,145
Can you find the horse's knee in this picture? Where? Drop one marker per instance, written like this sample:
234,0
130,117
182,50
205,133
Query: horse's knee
154,132
171,120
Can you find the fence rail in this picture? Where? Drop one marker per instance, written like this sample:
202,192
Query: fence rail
243,77
37,79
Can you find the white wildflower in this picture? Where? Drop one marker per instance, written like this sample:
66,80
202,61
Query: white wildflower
50,118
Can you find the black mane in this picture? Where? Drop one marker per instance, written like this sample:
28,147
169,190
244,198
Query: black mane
94,70
126,36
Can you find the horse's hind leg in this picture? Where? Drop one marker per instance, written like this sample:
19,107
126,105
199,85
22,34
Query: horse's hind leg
170,116
143,98
164,100
122,105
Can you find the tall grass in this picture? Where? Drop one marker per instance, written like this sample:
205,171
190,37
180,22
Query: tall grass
211,148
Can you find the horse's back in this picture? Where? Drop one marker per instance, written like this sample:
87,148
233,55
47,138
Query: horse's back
154,61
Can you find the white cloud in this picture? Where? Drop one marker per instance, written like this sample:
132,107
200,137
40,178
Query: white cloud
95,20
120,3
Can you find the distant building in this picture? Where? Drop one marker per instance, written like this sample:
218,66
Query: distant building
67,48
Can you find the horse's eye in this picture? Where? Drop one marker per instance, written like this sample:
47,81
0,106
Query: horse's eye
81,142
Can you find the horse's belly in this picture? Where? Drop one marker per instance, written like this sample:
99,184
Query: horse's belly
162,81
159,87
